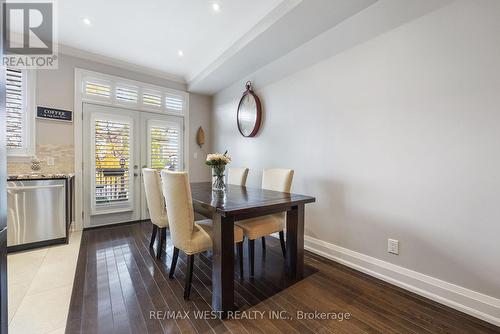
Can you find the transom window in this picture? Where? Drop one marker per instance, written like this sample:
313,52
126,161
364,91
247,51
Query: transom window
131,94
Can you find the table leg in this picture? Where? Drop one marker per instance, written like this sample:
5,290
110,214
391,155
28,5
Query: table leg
223,264
295,241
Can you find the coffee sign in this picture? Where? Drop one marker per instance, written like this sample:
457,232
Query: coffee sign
55,114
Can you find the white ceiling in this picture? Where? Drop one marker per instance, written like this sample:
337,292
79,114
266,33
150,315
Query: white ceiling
221,48
275,37
149,33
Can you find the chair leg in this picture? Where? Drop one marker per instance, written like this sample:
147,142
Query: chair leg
174,262
251,252
282,241
189,276
263,244
162,236
239,251
153,236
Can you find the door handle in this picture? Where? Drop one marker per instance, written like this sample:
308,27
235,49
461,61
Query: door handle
136,175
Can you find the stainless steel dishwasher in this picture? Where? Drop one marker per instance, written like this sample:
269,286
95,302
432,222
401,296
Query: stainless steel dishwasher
36,212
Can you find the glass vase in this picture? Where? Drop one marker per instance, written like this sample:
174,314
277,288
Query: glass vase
218,183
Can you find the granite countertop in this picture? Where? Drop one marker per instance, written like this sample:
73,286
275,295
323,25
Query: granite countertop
40,176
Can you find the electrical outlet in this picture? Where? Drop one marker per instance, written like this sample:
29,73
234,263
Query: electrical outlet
195,155
393,246
50,161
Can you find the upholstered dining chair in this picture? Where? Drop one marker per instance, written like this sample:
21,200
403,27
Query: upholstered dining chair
276,179
187,235
156,206
237,176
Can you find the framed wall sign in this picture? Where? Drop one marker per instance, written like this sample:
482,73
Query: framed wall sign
54,114
249,112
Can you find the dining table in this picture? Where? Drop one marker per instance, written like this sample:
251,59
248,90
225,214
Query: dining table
238,203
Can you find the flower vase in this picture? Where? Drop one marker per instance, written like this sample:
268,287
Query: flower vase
218,183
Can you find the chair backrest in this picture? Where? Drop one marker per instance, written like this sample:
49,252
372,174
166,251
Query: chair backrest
277,179
154,197
237,176
179,206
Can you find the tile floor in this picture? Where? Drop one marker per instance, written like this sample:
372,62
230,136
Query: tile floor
40,284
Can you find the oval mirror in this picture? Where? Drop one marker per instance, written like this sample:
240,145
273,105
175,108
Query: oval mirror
249,113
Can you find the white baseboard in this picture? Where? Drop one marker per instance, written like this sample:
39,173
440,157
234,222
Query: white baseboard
476,304
468,301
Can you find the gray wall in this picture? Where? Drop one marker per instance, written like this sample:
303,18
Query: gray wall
202,106
397,138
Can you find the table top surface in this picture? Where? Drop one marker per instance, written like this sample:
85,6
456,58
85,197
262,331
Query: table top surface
238,200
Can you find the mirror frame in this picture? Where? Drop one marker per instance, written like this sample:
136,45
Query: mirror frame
258,119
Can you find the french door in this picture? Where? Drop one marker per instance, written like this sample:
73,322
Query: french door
117,144
162,146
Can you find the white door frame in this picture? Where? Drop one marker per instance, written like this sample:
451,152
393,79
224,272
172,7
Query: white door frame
78,135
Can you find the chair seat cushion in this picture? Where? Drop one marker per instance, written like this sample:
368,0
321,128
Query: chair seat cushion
206,225
200,241
161,221
258,227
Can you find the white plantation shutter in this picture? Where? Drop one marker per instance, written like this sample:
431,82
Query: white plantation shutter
126,94
151,99
174,102
97,88
112,162
165,145
15,105
134,94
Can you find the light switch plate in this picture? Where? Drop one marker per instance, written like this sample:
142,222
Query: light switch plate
393,246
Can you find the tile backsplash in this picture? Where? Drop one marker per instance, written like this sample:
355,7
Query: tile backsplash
63,156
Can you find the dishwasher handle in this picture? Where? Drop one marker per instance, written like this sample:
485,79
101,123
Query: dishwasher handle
35,187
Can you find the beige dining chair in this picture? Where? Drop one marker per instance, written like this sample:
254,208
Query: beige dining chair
156,206
192,237
237,176
276,179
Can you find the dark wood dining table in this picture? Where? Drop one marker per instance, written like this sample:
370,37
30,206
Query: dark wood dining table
238,203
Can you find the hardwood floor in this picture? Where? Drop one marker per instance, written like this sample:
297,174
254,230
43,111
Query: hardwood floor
119,286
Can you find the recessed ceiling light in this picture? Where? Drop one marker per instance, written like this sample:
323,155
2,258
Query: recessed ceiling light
216,7
180,53
87,21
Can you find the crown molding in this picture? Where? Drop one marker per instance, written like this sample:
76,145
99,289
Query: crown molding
74,52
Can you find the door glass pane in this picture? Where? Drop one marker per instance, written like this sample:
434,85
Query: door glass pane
112,162
165,146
